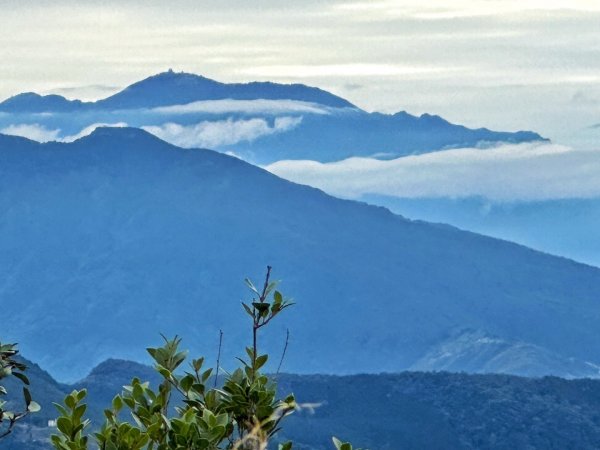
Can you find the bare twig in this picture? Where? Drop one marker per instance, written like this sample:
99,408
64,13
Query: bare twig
287,340
257,324
12,423
219,356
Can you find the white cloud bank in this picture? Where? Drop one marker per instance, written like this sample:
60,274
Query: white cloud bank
34,132
504,173
90,129
39,133
214,134
259,106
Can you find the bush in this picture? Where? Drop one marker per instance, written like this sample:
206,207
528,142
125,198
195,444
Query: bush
243,414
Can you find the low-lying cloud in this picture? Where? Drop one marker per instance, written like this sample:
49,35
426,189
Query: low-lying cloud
90,129
35,132
214,134
259,106
534,171
40,133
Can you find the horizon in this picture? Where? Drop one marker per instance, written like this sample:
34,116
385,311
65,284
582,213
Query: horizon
468,62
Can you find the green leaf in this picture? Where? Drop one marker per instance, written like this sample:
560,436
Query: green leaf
278,297
81,394
197,364
251,286
248,310
64,425
117,403
261,307
261,361
27,396
21,377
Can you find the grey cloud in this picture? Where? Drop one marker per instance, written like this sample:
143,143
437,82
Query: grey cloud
549,54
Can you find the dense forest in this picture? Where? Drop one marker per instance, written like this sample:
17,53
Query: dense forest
409,410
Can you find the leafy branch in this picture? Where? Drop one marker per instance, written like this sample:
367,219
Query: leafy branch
10,367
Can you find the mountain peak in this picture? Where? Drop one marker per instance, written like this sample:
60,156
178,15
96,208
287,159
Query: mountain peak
127,133
178,88
32,102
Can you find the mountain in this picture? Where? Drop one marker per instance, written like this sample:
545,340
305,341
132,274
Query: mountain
477,352
261,122
411,410
334,137
566,227
170,88
116,237
31,102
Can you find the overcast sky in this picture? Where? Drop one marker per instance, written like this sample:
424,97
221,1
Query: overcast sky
504,64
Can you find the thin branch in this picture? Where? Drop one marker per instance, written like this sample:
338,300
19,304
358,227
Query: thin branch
284,413
12,423
287,340
256,325
219,356
264,292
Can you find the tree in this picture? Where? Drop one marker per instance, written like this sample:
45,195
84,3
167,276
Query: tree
10,367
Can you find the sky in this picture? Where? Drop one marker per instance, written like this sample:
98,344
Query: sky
506,65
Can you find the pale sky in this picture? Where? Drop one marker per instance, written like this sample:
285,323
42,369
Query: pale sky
503,64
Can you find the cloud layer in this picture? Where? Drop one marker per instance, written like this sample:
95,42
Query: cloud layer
35,132
215,134
504,173
260,106
470,61
40,133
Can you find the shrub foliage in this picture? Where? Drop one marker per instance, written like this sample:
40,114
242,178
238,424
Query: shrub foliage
10,367
185,412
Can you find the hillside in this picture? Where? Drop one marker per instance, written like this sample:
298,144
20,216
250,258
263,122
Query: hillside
411,410
99,238
564,227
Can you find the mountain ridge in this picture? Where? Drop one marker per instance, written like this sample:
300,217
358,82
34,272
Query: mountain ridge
261,122
100,237
410,410
171,88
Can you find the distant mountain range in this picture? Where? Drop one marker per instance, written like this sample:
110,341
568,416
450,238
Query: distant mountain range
566,227
261,122
111,239
412,410
170,88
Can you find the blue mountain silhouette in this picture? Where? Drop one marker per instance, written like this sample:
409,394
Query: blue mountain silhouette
112,239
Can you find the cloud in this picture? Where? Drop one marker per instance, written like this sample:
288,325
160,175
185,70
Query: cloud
347,70
90,92
246,107
34,132
223,132
441,9
523,56
504,173
40,133
90,129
